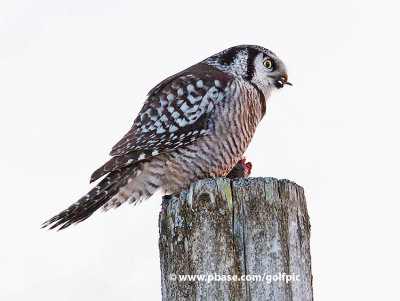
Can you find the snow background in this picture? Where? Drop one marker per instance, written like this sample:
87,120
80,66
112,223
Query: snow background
74,75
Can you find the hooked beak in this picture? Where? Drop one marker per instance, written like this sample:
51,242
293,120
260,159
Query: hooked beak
281,81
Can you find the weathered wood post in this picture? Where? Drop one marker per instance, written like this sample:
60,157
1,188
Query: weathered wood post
238,239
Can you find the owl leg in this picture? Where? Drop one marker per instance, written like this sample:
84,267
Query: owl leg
241,170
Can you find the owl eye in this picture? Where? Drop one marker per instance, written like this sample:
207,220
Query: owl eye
268,64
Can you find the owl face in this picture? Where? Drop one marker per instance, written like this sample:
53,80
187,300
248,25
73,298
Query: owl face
268,72
255,64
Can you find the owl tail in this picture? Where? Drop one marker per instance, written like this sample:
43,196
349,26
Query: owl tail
94,199
141,185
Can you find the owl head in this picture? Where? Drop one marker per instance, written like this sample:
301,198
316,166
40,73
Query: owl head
255,64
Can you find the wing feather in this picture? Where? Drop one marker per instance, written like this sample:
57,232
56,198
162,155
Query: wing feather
177,112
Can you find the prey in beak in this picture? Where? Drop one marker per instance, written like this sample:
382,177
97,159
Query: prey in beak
281,81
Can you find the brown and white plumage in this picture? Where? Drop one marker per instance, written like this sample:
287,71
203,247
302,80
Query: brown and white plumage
195,124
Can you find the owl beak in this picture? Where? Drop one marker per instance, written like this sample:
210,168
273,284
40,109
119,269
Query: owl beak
282,80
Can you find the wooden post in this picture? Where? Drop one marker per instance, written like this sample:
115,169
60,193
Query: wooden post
220,230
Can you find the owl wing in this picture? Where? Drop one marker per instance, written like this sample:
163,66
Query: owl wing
176,113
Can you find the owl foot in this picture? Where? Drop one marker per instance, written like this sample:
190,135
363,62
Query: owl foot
241,170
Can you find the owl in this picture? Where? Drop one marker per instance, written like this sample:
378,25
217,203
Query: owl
193,125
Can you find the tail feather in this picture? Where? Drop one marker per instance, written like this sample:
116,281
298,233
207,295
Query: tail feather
88,204
119,162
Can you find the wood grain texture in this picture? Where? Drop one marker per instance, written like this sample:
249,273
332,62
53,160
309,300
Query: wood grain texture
257,226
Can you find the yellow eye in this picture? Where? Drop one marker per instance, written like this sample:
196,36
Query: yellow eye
268,64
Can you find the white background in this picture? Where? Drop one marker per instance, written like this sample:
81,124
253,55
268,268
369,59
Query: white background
74,74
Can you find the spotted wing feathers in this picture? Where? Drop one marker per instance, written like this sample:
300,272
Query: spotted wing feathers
177,112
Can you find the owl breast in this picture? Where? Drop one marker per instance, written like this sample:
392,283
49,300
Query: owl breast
215,154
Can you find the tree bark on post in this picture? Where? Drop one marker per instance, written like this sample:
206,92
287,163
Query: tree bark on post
223,230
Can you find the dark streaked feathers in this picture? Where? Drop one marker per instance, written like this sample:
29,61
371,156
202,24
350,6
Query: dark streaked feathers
92,201
176,115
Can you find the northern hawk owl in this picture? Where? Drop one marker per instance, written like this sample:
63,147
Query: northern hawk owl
193,125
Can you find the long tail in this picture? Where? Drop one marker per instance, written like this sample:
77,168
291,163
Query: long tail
97,197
